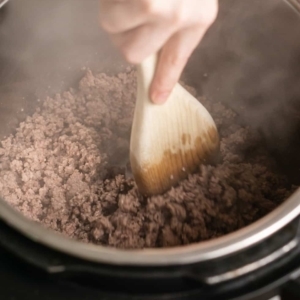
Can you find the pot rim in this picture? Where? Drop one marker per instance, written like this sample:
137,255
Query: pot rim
181,255
3,3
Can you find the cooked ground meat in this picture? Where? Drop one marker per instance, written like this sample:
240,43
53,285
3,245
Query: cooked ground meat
67,168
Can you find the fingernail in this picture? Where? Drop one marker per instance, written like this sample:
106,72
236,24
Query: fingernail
160,97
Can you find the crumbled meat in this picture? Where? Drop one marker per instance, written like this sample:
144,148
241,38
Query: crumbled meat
66,168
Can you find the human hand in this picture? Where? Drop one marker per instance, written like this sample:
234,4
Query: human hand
140,28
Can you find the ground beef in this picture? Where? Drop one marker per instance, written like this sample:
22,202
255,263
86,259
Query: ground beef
67,168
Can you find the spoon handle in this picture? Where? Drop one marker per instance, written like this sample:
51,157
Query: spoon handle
145,73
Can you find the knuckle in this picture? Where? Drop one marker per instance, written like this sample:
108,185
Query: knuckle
178,18
178,60
209,17
150,7
108,26
130,55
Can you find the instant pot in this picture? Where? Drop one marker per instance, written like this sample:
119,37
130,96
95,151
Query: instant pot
250,60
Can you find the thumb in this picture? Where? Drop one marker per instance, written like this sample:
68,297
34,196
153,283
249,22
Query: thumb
171,62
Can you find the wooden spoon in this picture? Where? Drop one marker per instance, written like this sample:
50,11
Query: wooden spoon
171,140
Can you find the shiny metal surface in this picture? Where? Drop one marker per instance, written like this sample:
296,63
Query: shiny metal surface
253,266
276,298
159,257
295,4
3,2
250,59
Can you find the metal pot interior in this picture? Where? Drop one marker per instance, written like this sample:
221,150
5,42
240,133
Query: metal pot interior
251,56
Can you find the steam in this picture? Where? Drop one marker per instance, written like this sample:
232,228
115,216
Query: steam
252,60
43,47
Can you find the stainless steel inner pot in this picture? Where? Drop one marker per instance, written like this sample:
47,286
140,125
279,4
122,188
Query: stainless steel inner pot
249,59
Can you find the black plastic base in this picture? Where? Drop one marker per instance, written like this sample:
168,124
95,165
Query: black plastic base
41,277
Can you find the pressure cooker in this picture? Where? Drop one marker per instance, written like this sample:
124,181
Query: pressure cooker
250,56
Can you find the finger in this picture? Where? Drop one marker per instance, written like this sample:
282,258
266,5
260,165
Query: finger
118,16
172,61
140,42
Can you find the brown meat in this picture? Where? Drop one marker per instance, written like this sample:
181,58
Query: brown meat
66,168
